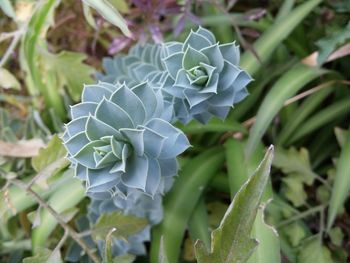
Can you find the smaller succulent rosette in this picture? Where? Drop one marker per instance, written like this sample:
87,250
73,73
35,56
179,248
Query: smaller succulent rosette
204,78
137,204
119,140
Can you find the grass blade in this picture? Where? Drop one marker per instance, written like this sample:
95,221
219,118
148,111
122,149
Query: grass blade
267,43
341,186
285,87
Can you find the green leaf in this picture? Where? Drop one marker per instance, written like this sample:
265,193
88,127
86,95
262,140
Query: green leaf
182,199
111,14
341,186
53,152
231,241
295,162
266,45
293,189
313,251
6,7
295,233
44,256
265,253
214,125
70,71
8,81
340,134
330,43
124,259
337,236
285,87
125,225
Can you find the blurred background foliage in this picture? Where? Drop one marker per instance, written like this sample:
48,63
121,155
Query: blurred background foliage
297,52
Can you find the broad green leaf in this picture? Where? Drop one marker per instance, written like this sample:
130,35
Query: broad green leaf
231,241
330,43
111,14
6,7
296,78
341,186
313,251
44,256
70,71
8,80
125,225
265,252
266,45
337,236
182,199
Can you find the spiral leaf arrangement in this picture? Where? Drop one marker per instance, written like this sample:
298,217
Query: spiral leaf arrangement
121,141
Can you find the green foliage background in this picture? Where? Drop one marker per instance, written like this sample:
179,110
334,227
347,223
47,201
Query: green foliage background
297,52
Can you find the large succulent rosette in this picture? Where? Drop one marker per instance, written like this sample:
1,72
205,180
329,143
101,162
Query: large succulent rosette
204,78
119,140
137,204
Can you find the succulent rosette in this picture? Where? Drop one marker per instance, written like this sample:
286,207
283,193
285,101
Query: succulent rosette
137,204
204,78
119,140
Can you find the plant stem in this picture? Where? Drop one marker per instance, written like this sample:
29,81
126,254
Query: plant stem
59,219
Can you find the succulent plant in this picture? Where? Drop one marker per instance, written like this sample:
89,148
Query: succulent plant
204,78
137,204
119,140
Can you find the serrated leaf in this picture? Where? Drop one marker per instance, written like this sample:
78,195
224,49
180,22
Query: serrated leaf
231,241
54,151
295,233
293,190
111,14
70,71
49,160
44,256
126,225
328,44
8,80
295,162
313,251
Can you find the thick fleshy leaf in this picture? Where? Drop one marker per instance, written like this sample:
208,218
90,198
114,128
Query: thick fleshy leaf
230,52
153,176
148,97
196,41
207,34
75,143
136,171
135,138
120,118
153,142
95,93
173,63
85,155
127,99
214,54
76,126
96,129
192,58
83,109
